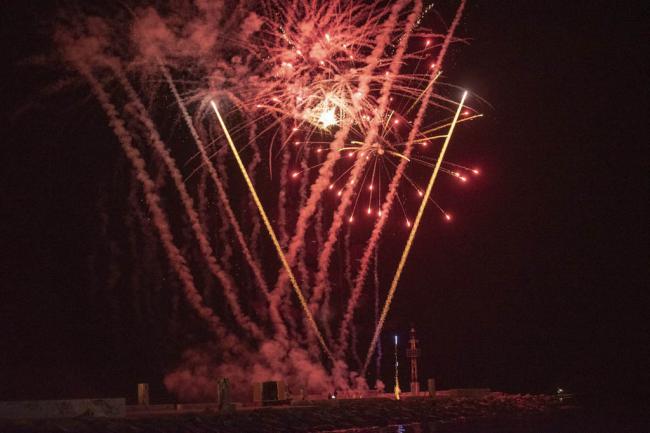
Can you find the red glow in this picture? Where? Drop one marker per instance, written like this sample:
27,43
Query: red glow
294,174
476,171
448,217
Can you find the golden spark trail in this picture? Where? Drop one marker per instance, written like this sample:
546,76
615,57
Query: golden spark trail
409,242
271,232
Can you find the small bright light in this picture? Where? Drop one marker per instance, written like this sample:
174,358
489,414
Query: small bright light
379,213
369,211
339,193
294,129
466,113
294,174
321,63
351,219
448,217
425,144
350,154
370,188
463,178
408,223
299,52
296,143
433,65
327,118
476,171
327,36
420,193
428,42
331,186
319,150
396,339
396,121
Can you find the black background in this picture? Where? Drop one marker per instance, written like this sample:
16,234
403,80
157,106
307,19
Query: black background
540,282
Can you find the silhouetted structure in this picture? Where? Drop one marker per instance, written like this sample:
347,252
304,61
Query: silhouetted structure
413,353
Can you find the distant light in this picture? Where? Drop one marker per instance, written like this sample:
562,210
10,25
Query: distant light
395,339
476,171
428,42
295,129
463,178
433,65
448,217
327,36
379,212
369,211
396,121
466,113
420,193
294,174
340,192
351,219
331,186
408,223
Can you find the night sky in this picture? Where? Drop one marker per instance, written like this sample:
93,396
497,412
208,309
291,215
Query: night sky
541,281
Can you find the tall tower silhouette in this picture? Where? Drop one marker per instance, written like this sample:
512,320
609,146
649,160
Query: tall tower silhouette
413,353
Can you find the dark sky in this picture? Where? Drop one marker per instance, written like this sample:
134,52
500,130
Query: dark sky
541,281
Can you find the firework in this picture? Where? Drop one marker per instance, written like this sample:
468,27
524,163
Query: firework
321,92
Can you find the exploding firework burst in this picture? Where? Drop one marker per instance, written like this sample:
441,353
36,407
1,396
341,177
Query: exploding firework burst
335,96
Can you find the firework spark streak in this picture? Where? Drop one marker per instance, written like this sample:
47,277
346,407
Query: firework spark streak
274,238
409,242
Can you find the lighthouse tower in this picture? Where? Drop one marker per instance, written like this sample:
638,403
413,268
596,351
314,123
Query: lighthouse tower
413,353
